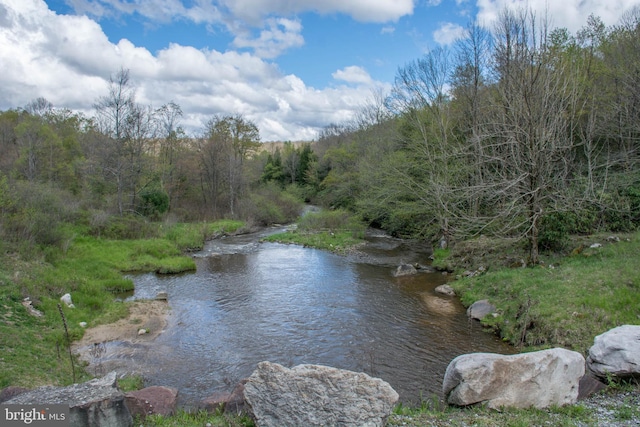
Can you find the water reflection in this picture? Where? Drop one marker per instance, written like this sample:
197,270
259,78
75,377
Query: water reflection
251,302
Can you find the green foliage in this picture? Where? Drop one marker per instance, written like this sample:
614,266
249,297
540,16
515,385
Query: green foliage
332,220
336,231
192,236
270,205
131,383
564,306
556,227
155,202
123,227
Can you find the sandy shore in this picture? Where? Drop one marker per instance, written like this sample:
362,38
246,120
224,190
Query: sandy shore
123,347
148,315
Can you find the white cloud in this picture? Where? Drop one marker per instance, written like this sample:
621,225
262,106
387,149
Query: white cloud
68,60
281,35
360,10
353,74
242,17
252,11
387,29
448,33
571,14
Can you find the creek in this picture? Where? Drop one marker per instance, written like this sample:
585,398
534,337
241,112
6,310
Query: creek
250,301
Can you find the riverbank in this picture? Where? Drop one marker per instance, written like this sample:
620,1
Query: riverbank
616,258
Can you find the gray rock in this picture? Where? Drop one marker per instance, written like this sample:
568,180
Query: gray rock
479,309
96,403
405,270
445,290
152,400
66,298
616,353
540,379
313,395
162,296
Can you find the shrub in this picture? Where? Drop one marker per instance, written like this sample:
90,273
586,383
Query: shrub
270,205
154,203
125,227
335,220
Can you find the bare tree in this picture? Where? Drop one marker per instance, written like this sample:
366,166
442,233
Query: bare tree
171,133
433,171
528,147
112,113
227,143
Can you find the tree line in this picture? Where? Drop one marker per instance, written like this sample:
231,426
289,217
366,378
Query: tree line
131,162
521,130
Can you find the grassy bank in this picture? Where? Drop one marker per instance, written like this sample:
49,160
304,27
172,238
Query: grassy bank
334,231
564,302
34,349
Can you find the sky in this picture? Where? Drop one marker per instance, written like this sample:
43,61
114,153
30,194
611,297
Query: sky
292,67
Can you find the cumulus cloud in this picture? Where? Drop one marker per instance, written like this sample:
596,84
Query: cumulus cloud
448,33
276,31
281,35
68,61
353,74
360,10
571,14
252,11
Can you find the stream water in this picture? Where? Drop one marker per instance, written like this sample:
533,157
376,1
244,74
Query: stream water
250,302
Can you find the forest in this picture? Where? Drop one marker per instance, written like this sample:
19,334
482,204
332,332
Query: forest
522,130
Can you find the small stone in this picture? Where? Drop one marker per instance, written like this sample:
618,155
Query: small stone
66,298
142,331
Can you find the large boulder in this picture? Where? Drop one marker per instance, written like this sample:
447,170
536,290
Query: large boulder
95,403
479,309
616,353
152,400
313,395
539,379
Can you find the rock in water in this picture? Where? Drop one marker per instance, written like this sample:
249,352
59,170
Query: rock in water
313,395
616,353
96,403
405,270
540,379
445,290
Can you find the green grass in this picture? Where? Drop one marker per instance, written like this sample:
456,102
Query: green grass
34,349
191,236
566,302
339,241
335,231
572,415
197,419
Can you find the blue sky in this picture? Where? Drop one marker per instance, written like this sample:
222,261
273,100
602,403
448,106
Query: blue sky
290,66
